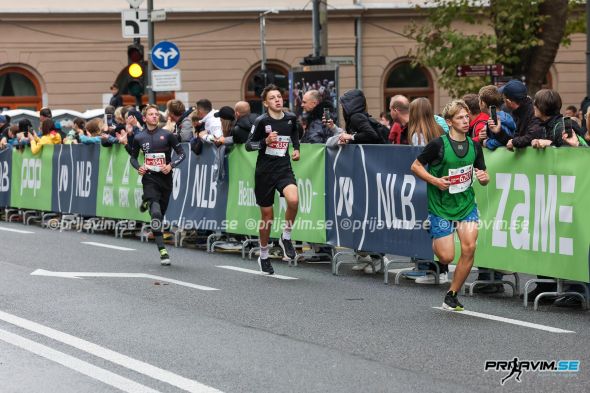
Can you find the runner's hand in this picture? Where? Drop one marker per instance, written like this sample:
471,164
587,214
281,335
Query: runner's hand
442,183
482,176
142,170
272,137
166,168
295,155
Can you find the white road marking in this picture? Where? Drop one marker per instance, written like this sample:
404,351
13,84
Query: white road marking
14,230
108,246
75,364
509,320
48,273
259,273
154,372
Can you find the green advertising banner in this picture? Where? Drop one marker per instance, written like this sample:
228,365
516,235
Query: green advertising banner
31,179
310,174
530,221
119,186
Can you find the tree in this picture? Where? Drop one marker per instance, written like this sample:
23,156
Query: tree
522,35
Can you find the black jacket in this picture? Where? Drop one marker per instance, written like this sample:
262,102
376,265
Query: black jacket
528,127
242,128
354,108
316,131
553,128
116,101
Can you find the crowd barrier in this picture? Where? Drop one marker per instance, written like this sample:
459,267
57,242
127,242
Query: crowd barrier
362,197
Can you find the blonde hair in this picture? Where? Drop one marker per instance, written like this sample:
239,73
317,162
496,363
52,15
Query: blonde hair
422,122
94,126
454,107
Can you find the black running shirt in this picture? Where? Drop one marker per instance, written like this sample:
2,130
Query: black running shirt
275,157
156,142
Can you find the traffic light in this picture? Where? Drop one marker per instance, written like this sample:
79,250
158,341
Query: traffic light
313,60
135,70
261,80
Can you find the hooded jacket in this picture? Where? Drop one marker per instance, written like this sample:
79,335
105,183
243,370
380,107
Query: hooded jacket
354,109
53,138
507,127
316,131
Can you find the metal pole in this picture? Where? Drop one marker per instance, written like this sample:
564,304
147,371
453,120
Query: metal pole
150,67
358,31
315,21
323,21
587,49
263,41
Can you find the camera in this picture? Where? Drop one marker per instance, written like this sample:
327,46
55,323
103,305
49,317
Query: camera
327,114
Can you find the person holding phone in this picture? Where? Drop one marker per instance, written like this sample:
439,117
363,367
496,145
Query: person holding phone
317,115
558,130
499,122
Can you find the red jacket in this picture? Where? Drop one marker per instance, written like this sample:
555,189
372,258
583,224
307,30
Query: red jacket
477,124
398,134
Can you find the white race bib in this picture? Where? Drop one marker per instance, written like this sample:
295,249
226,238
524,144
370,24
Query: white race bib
278,148
154,160
460,179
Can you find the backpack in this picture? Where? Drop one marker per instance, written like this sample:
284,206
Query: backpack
380,129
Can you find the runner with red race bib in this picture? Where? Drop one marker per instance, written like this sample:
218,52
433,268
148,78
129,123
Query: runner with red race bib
271,135
156,145
451,161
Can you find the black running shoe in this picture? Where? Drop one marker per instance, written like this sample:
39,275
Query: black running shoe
144,206
287,247
164,257
265,266
451,302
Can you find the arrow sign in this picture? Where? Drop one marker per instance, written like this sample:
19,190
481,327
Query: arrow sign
165,55
79,275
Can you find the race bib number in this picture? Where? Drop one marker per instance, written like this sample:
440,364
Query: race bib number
460,179
154,160
278,148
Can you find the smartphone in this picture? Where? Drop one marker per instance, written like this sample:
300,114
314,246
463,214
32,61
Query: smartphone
494,114
567,126
327,114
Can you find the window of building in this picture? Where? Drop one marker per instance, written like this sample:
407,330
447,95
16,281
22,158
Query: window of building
408,80
281,79
19,89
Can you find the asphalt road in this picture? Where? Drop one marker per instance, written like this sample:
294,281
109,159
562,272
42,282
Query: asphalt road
315,333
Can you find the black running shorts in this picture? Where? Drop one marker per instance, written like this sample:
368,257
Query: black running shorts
157,188
266,184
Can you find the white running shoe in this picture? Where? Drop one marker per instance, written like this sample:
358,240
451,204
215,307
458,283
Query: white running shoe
429,279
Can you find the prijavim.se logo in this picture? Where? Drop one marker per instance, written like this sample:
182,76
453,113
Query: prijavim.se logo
516,367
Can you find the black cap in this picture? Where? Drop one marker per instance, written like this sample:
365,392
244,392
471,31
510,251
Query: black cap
226,113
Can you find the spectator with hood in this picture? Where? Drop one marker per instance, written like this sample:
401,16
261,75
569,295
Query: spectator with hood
180,116
358,127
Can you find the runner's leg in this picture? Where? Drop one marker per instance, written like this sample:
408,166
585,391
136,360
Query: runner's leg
467,232
292,199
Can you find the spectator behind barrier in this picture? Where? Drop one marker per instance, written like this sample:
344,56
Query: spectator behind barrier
547,104
528,127
96,131
422,127
205,114
489,96
49,136
313,106
244,121
180,116
477,118
399,108
574,113
358,127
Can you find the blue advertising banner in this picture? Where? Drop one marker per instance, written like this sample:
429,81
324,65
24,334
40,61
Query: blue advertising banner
75,179
199,193
5,174
374,201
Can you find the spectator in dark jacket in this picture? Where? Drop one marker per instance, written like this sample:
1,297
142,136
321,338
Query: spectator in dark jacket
313,106
244,121
358,128
116,100
528,127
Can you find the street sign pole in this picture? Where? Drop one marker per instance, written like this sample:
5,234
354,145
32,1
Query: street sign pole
150,91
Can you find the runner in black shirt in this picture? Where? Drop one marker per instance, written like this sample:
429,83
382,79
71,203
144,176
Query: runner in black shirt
156,145
271,135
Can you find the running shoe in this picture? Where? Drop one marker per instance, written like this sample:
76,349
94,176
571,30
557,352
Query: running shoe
287,247
451,302
144,206
265,266
164,257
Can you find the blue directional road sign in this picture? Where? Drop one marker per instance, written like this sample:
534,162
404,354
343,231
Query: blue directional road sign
165,55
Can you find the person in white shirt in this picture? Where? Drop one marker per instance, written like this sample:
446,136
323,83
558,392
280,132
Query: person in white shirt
213,131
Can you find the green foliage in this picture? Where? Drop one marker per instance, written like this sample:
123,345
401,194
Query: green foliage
507,31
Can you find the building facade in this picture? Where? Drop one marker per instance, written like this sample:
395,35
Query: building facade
65,54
